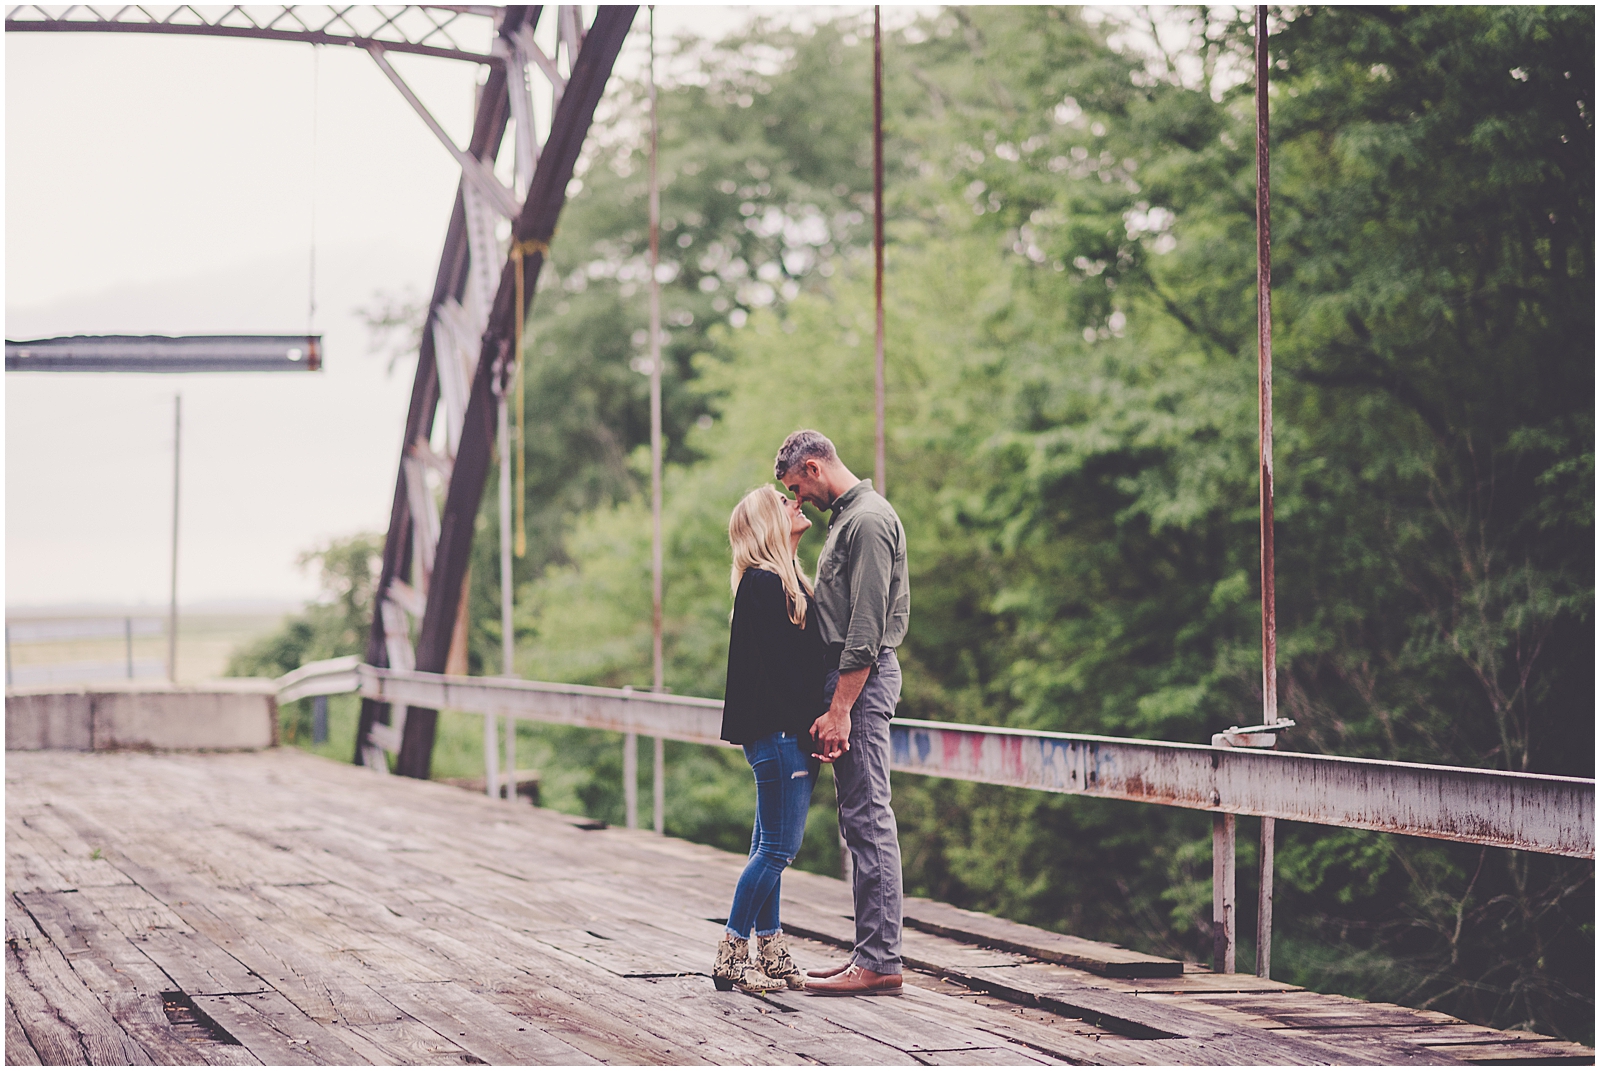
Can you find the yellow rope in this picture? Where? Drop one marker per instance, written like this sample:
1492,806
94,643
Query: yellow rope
518,251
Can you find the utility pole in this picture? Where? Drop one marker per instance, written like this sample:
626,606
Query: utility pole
172,605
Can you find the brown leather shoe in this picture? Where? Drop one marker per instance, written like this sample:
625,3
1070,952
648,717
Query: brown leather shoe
856,981
829,972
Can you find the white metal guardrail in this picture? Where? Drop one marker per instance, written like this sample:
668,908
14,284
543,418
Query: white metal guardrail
1531,812
1528,812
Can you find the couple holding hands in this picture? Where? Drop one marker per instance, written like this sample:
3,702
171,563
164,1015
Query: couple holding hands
813,678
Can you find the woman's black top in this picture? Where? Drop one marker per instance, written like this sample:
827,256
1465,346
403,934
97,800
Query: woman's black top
775,668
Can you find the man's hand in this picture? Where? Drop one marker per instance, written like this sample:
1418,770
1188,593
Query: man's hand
832,735
832,731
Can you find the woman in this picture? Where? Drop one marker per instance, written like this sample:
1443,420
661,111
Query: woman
775,678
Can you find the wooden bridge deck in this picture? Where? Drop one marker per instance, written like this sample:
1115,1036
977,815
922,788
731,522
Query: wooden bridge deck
276,908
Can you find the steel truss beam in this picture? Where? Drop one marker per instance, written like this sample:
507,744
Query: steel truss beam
450,284
464,360
531,232
443,31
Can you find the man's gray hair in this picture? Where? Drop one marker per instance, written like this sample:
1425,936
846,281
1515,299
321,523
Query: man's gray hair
800,447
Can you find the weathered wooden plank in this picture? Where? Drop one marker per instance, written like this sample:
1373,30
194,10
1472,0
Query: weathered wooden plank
1280,1008
788,1031
977,1058
402,1042
1139,1018
351,1012
1193,983
1556,1053
612,1027
121,977
53,1041
274,1030
1127,1013
481,1027
807,1038
1072,1040
198,966
79,863
1430,1035
577,1024
61,1018
19,1050
316,879
885,1019
1097,957
26,868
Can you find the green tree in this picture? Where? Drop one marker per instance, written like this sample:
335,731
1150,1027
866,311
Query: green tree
1072,440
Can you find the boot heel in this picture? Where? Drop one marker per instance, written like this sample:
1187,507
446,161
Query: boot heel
724,985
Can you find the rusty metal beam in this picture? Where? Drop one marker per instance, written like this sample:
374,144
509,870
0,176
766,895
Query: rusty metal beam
488,130
1529,812
531,232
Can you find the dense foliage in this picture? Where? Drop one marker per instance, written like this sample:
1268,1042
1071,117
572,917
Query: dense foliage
1071,340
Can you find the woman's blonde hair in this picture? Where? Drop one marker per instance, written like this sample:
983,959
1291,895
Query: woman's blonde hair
759,533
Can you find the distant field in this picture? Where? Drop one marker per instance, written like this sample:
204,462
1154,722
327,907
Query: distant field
72,647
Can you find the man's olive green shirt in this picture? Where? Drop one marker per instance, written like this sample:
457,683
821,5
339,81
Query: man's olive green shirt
863,596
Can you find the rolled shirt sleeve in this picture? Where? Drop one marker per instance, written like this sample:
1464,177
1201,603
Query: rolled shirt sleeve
872,555
863,598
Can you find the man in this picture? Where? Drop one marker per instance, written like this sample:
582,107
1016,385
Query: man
863,605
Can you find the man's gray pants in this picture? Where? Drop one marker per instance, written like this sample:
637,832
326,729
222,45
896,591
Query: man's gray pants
866,820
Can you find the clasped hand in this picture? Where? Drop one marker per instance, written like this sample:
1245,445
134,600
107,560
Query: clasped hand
831,735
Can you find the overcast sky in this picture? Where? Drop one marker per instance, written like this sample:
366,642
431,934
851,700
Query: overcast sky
169,185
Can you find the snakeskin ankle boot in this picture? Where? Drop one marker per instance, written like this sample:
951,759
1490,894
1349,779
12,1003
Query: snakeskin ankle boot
772,956
734,970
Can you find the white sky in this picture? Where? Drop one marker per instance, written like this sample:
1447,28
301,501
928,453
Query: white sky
167,185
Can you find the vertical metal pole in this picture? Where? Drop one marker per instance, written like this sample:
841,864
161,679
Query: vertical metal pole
630,780
508,637
1269,611
880,475
172,605
319,719
660,800
511,759
1223,827
127,642
491,757
1269,614
657,663
1264,911
658,677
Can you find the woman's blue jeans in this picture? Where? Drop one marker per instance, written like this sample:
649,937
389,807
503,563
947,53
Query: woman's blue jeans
785,773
